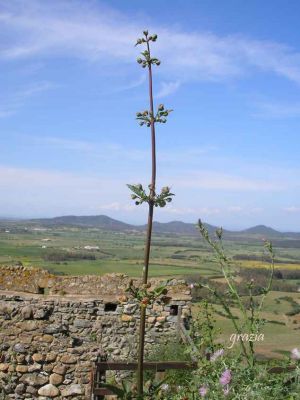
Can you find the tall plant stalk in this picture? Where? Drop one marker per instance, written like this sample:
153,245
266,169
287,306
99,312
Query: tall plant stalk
149,119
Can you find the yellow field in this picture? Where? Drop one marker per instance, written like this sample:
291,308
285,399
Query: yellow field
262,264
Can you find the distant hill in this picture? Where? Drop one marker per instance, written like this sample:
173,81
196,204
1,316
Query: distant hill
177,227
174,227
96,221
262,230
105,222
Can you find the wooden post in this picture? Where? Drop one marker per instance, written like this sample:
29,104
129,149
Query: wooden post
160,366
179,322
99,377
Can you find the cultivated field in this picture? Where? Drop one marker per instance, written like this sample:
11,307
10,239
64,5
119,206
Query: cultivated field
77,251
74,250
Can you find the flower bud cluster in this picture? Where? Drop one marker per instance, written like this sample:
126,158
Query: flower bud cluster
146,117
140,196
146,59
146,38
161,114
145,296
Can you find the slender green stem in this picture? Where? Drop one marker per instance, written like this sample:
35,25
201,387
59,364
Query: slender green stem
231,317
224,264
269,285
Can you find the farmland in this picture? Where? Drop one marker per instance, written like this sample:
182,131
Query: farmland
75,250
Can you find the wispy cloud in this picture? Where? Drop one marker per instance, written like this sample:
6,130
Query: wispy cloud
117,206
278,110
220,181
62,143
46,192
180,210
184,212
115,151
292,209
95,32
14,101
130,85
34,89
167,88
6,112
103,150
235,209
41,192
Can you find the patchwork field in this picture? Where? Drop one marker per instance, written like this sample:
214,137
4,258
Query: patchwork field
76,251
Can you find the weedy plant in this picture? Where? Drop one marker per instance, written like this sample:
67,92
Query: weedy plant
251,321
128,391
148,118
236,375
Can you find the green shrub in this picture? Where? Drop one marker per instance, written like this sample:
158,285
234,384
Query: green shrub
174,351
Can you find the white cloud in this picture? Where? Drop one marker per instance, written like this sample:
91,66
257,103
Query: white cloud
34,89
131,85
235,209
179,210
115,151
245,211
116,206
103,150
38,192
219,181
292,209
167,88
256,210
278,110
94,32
5,112
61,143
11,103
43,192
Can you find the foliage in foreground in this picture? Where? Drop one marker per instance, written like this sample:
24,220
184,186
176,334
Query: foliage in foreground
234,373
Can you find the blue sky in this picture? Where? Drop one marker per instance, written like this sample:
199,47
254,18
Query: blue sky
70,88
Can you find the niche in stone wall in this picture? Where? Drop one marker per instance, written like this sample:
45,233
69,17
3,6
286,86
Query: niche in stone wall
110,307
174,310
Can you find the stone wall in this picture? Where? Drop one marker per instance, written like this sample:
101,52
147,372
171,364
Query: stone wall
48,342
25,279
34,280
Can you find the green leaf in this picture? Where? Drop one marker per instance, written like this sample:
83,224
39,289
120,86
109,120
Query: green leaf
137,189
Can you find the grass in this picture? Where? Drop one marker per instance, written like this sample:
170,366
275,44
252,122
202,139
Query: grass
100,267
278,339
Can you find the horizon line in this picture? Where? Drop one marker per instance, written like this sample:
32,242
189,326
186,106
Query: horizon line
15,218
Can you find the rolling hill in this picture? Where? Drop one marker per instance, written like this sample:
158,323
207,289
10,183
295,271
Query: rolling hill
174,227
